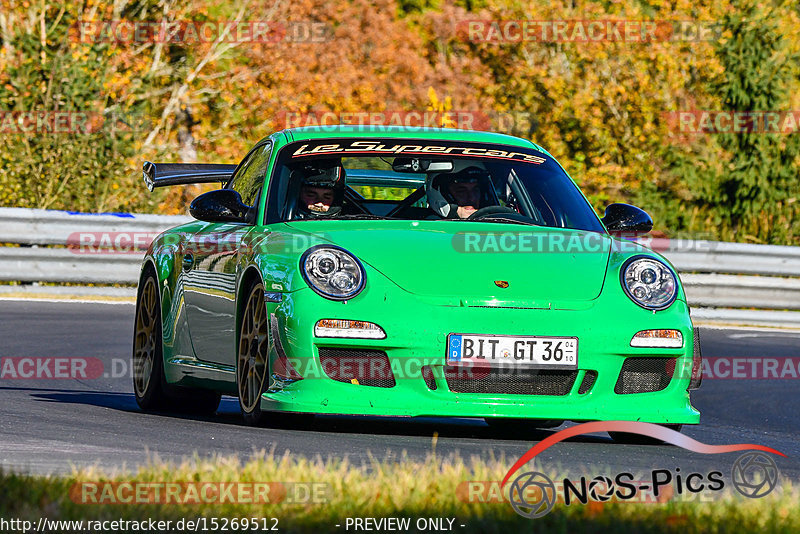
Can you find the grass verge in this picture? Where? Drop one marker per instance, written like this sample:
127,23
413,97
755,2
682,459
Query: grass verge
336,489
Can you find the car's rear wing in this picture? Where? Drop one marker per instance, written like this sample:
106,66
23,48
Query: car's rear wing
163,174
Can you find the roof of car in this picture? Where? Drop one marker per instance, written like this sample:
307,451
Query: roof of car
405,132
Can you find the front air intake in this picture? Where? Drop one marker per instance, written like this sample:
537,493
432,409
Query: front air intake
644,375
364,367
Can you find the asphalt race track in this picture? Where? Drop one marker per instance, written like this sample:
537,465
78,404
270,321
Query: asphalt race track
50,425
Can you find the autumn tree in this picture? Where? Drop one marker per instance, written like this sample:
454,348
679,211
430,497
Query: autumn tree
45,71
744,184
599,107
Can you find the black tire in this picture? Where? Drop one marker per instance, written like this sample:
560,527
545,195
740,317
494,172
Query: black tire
252,358
148,359
149,381
638,439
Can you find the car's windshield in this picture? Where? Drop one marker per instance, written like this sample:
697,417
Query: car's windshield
425,180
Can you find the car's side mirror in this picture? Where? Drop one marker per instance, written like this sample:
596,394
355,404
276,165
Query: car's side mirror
627,219
221,205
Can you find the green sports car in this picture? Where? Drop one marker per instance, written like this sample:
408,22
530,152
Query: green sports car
409,272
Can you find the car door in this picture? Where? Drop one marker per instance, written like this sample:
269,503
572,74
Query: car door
210,266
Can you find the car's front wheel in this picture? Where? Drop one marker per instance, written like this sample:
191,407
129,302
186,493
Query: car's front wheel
252,363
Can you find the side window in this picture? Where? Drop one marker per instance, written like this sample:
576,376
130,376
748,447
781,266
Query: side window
250,178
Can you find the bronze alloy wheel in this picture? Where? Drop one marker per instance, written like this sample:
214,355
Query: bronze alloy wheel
148,365
251,361
144,344
149,382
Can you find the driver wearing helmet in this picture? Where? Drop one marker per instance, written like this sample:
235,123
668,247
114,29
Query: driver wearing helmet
321,190
461,194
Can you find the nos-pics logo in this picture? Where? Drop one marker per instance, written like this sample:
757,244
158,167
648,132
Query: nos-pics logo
533,494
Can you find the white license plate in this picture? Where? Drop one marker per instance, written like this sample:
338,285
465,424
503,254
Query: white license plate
529,352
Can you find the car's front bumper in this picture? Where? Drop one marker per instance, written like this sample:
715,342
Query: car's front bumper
416,336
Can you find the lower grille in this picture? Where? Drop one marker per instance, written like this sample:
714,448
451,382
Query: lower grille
644,375
364,366
588,382
509,382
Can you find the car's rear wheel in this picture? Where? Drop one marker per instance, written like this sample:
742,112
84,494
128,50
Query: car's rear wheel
638,439
148,362
149,382
252,365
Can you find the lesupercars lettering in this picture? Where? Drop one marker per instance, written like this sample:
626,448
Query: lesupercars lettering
376,147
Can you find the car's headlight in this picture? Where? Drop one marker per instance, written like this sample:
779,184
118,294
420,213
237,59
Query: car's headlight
649,282
332,272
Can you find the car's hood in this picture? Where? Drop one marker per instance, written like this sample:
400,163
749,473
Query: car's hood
472,261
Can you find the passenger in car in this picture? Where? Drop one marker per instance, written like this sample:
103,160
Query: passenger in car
460,194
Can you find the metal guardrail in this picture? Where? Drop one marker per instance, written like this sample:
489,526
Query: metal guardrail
724,282
49,227
736,258
45,234
732,291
